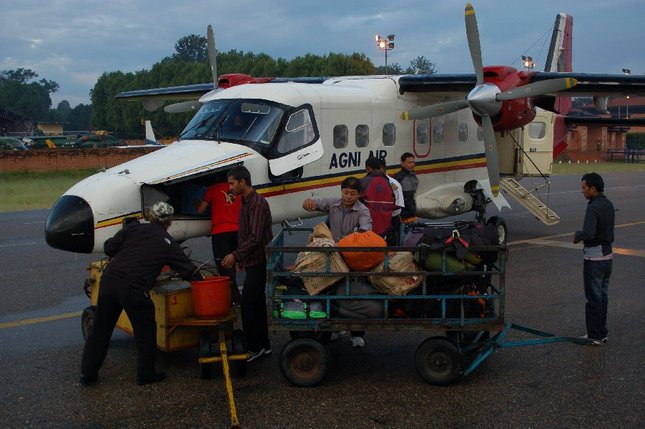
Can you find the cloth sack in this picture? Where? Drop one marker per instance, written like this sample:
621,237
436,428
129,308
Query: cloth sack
316,262
397,285
362,260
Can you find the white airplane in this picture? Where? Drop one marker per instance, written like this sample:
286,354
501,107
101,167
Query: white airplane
300,140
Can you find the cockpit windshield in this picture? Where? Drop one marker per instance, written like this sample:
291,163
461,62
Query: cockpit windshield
252,123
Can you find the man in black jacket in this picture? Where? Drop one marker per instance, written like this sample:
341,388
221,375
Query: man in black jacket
409,182
139,252
597,235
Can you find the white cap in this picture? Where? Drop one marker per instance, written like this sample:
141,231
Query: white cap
161,211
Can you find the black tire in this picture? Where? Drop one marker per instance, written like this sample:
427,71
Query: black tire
500,224
438,361
205,350
304,362
87,321
238,346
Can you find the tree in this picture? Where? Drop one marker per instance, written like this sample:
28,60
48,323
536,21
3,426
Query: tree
63,111
421,65
192,48
79,118
19,95
393,68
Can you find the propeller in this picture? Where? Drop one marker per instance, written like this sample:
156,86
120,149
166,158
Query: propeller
184,106
485,99
212,54
187,106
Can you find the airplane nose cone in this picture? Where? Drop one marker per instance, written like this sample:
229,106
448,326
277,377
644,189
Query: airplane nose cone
70,225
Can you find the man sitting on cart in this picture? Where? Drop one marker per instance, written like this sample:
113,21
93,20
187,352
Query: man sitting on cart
138,251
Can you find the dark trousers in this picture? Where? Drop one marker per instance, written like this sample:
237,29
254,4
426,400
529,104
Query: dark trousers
254,309
596,279
222,245
115,296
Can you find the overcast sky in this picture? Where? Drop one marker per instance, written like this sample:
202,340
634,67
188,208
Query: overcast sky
73,42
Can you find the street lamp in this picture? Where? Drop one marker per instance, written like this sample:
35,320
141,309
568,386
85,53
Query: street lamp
528,62
627,72
386,44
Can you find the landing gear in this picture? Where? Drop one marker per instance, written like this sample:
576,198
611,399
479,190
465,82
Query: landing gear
500,224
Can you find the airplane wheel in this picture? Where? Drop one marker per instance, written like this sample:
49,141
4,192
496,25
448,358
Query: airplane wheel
500,224
205,350
238,347
304,362
438,361
87,321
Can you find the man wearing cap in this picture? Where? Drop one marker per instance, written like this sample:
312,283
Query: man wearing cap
138,252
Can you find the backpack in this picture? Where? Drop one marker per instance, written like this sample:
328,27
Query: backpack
377,195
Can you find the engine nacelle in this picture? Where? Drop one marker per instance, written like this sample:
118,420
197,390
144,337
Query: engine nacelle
513,113
444,200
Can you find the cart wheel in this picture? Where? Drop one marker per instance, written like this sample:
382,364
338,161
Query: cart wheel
87,321
304,362
238,347
321,336
205,350
500,224
438,361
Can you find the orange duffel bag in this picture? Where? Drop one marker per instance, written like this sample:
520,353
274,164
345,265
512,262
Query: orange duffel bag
362,260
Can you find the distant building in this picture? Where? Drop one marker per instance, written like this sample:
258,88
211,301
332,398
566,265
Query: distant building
592,132
51,128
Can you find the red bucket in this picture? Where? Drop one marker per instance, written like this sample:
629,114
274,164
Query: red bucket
211,297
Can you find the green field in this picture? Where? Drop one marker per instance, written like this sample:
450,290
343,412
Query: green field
27,191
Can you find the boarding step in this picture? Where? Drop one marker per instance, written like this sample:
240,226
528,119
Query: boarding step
529,201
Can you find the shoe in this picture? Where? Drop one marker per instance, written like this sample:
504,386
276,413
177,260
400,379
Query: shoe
358,342
265,351
153,378
594,341
87,380
336,335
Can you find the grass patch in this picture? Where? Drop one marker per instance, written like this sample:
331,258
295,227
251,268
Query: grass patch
598,167
29,190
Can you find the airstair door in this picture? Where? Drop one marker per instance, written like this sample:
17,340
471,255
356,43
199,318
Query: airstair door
537,142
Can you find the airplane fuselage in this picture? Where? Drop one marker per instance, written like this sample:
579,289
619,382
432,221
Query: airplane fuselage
302,141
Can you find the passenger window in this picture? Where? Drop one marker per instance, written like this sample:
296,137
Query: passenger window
362,135
298,132
389,134
537,130
437,133
422,135
340,136
463,132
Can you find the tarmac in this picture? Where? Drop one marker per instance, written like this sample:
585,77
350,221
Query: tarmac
554,385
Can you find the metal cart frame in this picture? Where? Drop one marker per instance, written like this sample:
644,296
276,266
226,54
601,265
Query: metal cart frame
457,345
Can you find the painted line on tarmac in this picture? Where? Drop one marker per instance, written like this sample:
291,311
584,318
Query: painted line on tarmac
44,319
548,241
22,243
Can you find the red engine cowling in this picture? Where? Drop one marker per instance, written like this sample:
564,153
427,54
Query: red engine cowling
514,113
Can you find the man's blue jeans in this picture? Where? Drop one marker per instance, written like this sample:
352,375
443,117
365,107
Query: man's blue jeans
596,279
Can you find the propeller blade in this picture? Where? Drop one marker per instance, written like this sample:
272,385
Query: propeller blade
472,34
184,106
434,110
212,54
492,158
537,89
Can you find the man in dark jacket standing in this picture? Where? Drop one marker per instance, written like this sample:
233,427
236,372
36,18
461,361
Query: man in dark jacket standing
409,182
253,236
597,235
138,251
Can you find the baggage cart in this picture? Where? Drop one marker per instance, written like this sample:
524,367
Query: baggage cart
464,326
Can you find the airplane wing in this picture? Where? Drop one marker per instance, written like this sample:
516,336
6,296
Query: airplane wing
154,98
589,84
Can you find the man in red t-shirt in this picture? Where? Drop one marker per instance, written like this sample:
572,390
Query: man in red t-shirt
225,214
